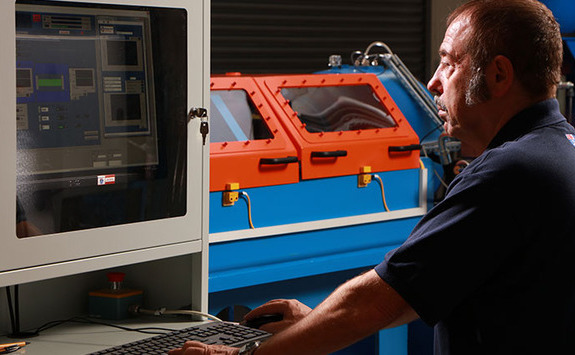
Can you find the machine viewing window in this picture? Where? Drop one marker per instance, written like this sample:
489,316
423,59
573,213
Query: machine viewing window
92,130
234,117
338,108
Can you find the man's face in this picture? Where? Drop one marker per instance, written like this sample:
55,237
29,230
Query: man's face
453,84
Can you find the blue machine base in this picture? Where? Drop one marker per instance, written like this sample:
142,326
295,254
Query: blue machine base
309,265
311,291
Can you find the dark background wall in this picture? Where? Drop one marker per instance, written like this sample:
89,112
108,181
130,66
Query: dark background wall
298,36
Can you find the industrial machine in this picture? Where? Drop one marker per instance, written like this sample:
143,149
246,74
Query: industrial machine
315,177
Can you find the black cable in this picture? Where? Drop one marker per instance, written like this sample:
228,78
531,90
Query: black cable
10,309
144,330
17,310
438,126
14,311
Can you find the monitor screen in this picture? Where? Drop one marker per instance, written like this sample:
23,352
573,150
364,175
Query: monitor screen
99,115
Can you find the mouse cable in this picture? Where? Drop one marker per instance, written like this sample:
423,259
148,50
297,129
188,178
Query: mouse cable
163,311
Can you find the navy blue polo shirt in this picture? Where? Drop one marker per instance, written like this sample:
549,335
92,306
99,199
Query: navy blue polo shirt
492,266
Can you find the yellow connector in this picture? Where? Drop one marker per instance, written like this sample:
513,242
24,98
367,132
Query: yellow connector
233,186
230,197
364,178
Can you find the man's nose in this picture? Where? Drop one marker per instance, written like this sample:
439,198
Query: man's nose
434,85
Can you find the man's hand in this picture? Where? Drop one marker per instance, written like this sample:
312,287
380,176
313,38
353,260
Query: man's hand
197,348
292,311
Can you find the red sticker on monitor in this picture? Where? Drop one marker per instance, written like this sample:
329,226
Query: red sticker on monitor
106,179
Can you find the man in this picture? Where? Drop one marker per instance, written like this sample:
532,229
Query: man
492,266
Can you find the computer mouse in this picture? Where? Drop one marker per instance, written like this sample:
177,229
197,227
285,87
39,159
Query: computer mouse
263,319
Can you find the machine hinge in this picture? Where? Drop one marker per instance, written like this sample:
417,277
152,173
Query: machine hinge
202,114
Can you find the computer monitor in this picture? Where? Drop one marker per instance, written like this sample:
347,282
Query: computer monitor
105,162
86,120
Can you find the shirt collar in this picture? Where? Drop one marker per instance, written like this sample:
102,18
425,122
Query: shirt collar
543,113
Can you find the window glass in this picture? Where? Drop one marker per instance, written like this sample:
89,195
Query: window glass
338,108
234,117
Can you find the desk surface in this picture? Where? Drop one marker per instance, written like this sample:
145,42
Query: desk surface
84,338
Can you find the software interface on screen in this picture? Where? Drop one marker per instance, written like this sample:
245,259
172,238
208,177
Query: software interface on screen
90,128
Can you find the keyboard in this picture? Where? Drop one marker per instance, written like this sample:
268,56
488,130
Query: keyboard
222,333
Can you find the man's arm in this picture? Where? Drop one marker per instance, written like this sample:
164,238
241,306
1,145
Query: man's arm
355,310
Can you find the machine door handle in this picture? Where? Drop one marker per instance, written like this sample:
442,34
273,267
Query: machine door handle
405,148
278,161
329,154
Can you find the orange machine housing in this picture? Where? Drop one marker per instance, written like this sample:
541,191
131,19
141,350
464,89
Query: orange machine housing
252,163
291,151
326,154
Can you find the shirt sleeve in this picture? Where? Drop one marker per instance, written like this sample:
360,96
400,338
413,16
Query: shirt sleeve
454,248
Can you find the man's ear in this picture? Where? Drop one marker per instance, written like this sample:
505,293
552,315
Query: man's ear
500,75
